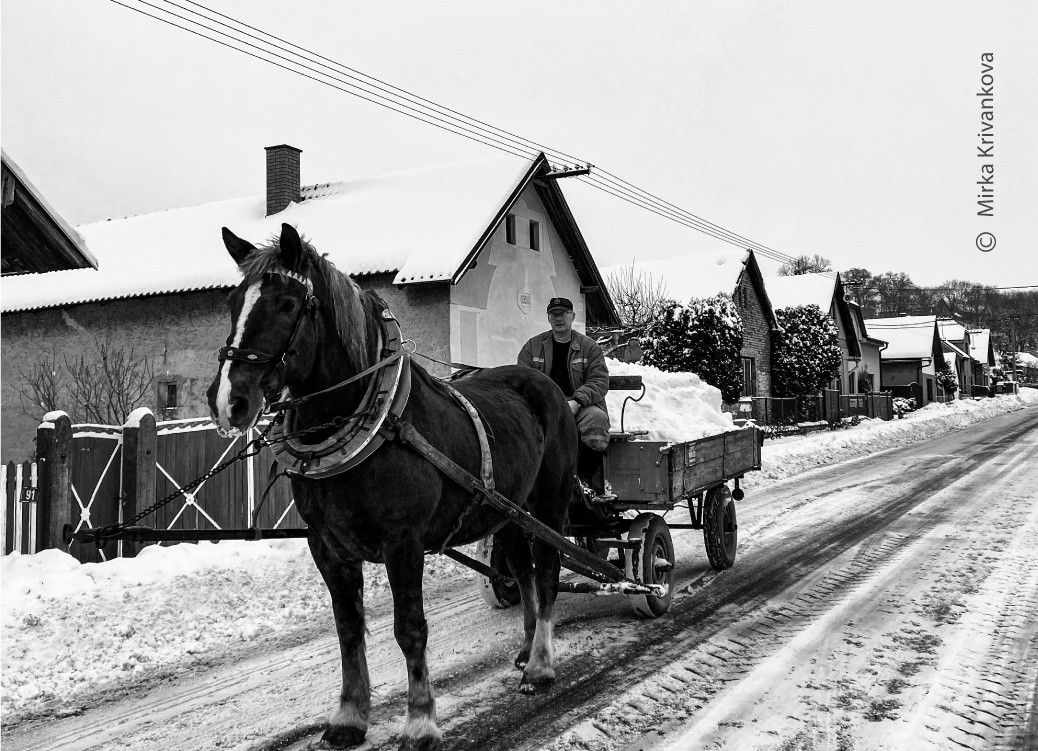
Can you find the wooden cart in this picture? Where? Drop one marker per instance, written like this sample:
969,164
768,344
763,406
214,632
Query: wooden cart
643,480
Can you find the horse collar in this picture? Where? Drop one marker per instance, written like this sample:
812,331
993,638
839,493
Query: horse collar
361,434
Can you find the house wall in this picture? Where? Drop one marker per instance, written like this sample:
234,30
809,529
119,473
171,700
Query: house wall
500,303
870,362
905,372
847,364
756,332
180,335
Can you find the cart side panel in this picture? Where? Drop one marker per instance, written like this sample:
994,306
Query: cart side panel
706,462
639,471
742,452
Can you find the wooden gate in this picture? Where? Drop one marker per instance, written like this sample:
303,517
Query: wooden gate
96,475
95,484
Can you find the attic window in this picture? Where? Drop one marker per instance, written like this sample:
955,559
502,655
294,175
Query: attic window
510,229
535,235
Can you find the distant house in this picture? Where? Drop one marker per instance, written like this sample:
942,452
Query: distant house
912,357
957,337
35,237
957,361
868,375
466,255
734,273
982,356
827,292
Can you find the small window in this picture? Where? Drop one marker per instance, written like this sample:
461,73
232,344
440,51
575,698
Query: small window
535,235
168,397
510,229
749,376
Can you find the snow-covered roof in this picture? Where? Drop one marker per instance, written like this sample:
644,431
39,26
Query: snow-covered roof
1027,360
802,289
423,224
980,345
953,350
694,275
907,337
951,329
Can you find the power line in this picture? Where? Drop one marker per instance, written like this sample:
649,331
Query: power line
437,115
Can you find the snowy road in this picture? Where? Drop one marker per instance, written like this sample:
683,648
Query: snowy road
883,603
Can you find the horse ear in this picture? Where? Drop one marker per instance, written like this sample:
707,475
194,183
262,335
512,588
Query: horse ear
238,248
291,248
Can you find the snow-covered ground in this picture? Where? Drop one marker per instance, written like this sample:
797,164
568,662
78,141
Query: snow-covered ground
70,630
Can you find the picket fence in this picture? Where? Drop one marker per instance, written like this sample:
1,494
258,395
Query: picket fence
89,476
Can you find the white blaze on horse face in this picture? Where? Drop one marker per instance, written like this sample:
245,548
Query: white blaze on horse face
223,393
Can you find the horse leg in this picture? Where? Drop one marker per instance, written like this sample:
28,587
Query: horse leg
549,502
540,671
405,560
517,552
345,580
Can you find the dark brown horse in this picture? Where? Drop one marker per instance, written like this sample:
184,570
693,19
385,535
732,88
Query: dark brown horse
299,327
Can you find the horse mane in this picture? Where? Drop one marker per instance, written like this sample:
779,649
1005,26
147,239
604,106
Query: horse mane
344,295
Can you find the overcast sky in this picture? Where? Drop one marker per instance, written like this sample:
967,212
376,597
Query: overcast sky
844,129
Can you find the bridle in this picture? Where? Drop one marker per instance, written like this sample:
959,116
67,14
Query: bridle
273,361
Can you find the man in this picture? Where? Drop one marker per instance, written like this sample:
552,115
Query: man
576,363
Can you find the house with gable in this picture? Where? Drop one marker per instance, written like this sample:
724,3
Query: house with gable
827,292
868,375
737,274
465,255
912,357
982,356
955,338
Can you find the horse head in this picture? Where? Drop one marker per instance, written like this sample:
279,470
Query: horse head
274,329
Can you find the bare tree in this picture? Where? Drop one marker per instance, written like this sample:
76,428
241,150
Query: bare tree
104,386
41,385
639,299
806,265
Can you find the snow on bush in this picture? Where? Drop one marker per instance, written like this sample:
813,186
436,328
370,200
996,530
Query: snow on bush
703,337
676,406
806,353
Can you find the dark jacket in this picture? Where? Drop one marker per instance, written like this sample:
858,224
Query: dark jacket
587,367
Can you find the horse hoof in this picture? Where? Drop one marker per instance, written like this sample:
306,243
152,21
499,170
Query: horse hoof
522,659
344,737
425,743
536,685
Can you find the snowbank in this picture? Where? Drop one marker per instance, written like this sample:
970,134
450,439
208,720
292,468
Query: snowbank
71,630
788,457
676,406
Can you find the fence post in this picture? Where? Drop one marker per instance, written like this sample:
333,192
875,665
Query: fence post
53,457
140,440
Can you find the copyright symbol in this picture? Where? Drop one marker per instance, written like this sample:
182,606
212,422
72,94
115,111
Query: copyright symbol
985,242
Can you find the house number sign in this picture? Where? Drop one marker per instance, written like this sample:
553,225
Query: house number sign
524,299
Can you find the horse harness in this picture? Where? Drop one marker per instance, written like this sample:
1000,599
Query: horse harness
376,420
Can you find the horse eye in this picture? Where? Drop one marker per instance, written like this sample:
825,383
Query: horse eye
288,306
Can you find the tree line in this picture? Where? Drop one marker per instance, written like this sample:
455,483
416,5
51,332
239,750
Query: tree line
1012,315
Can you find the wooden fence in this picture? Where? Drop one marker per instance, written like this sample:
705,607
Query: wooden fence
95,475
828,406
20,522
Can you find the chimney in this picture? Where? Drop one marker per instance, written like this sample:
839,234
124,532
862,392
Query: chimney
282,177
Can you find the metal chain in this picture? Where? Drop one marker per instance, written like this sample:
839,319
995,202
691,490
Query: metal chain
253,448
475,500
256,445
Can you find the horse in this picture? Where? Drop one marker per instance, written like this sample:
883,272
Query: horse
303,332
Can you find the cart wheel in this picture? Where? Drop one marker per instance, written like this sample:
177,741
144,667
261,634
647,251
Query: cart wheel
720,529
655,563
496,594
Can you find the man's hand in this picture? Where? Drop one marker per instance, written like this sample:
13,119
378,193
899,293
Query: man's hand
574,406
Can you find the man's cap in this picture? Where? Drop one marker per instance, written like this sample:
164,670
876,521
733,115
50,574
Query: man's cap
559,303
